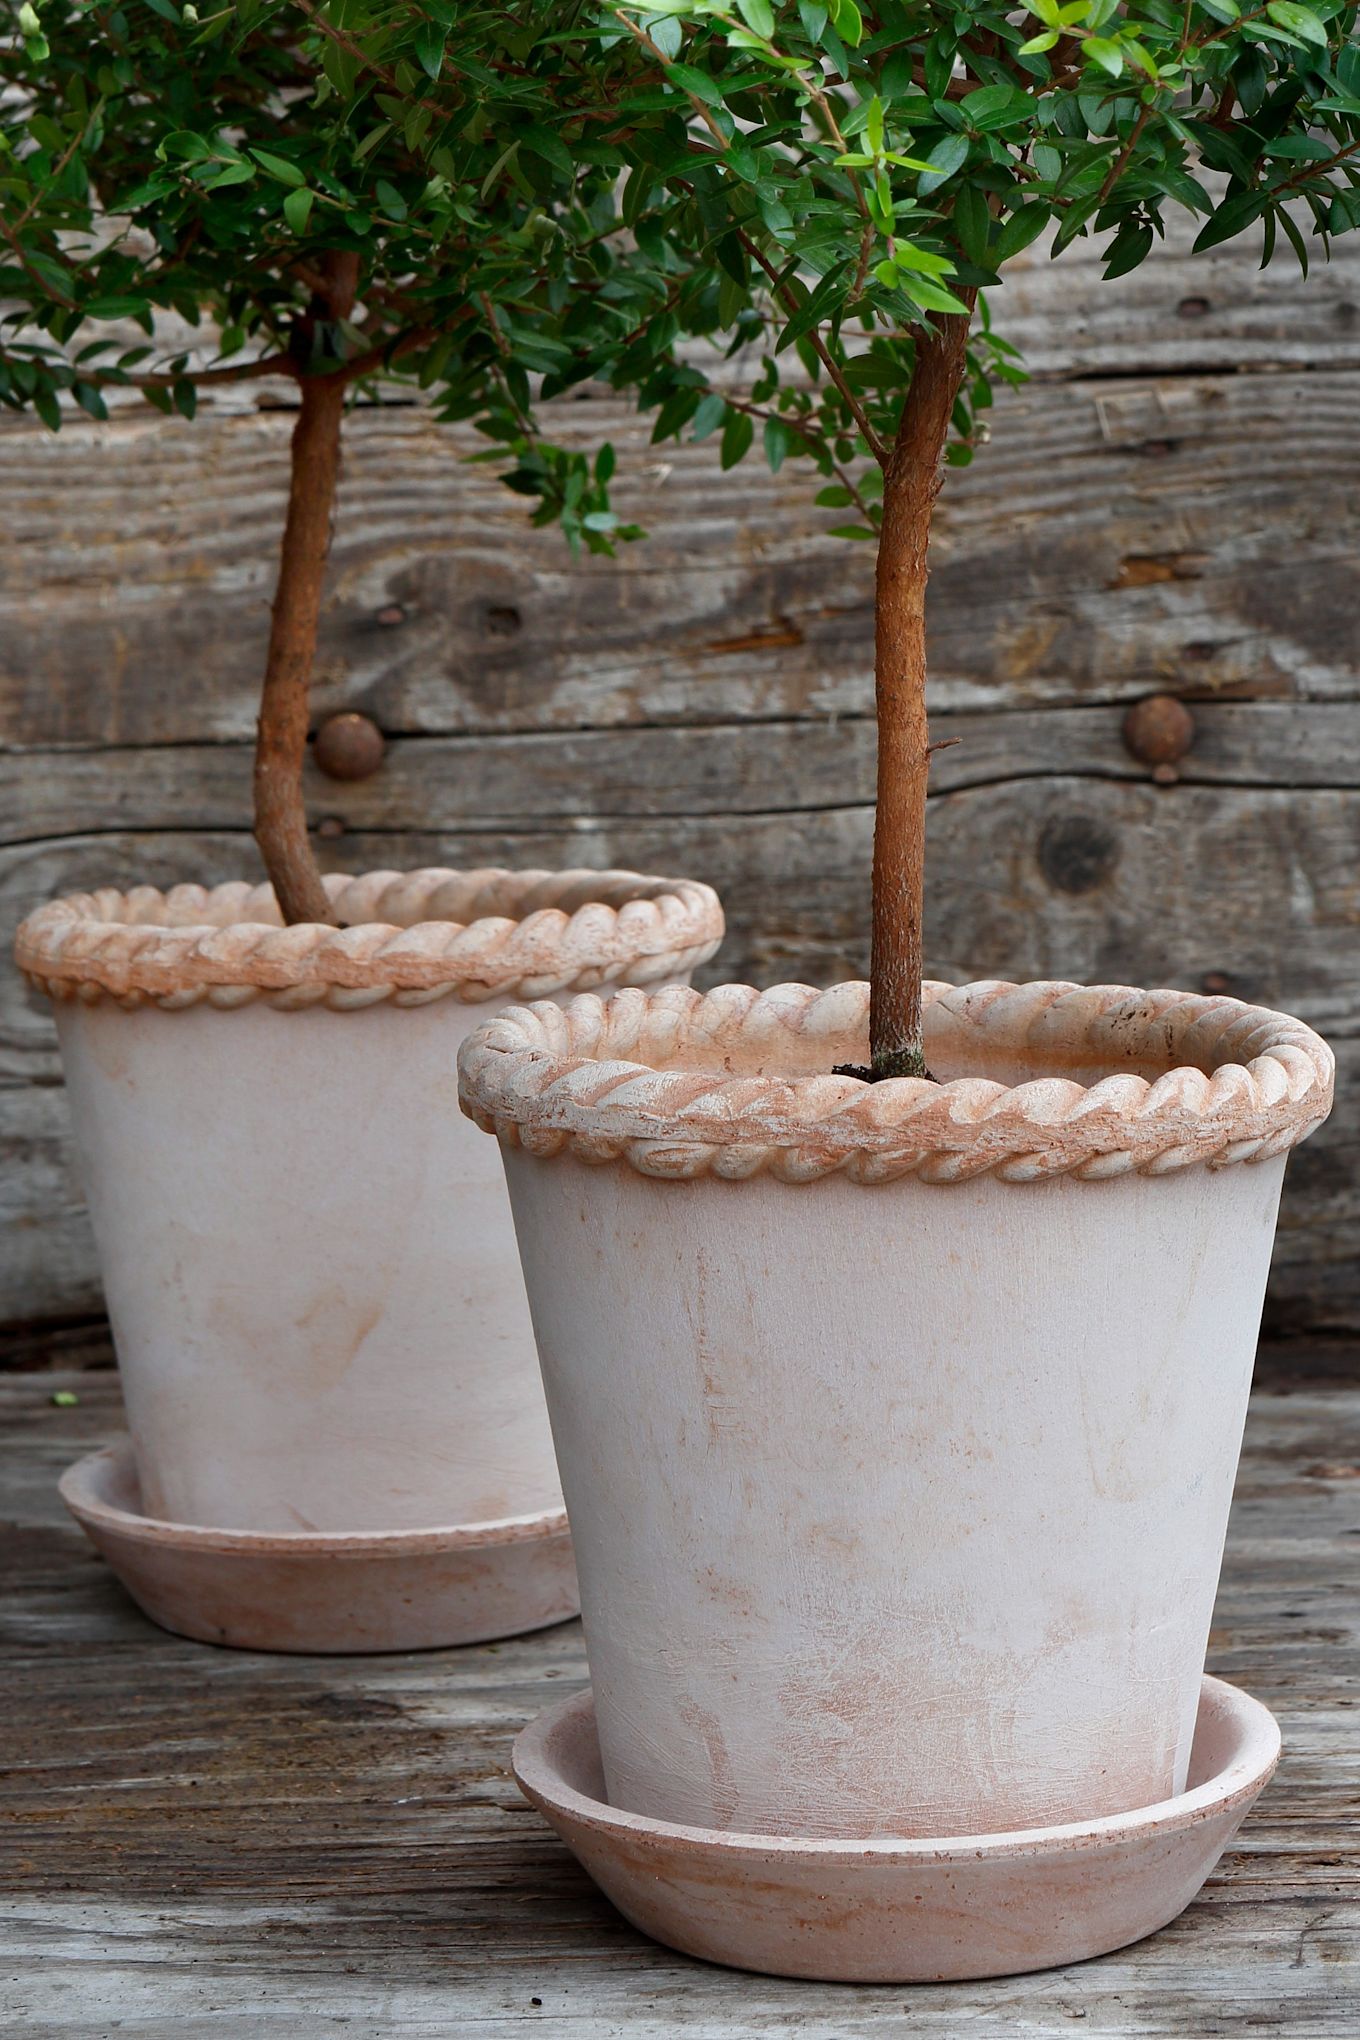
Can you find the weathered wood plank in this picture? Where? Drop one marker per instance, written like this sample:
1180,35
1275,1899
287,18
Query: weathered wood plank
1179,311
48,1267
1103,881
1113,538
478,782
201,1840
1239,887
1192,528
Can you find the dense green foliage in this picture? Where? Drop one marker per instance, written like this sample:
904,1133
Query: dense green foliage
827,177
783,217
163,167
800,182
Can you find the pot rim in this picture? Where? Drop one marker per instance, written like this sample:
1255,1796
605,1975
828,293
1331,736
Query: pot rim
408,937
677,1084
1240,1779
83,1488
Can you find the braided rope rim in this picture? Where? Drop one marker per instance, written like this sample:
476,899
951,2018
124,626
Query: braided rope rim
408,936
662,1083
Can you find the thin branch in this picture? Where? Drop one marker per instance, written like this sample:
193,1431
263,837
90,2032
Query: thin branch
1307,171
701,107
361,57
876,445
243,371
1116,169
392,349
814,442
47,288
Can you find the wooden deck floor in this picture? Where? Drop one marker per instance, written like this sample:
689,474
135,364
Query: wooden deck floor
197,1841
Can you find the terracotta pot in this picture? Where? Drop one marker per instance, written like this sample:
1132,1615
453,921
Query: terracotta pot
897,1911
897,1423
308,1256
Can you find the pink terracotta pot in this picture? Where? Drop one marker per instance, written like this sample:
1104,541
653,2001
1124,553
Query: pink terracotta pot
897,1423
308,1256
346,1590
894,1911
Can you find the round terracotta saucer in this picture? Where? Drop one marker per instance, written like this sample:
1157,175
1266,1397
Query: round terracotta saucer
904,1911
324,1592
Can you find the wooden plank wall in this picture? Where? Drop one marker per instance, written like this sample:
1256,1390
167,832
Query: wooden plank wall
1173,502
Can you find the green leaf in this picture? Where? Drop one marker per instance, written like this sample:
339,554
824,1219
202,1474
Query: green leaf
90,399
932,296
297,209
1127,250
758,15
1100,50
779,441
1025,225
231,173
185,146
812,311
906,255
709,416
697,83
1300,21
738,434
279,167
429,43
944,159
1294,237
972,219
995,106
543,142
853,531
1230,219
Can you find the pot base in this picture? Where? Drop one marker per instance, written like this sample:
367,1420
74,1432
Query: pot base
346,1591
904,1911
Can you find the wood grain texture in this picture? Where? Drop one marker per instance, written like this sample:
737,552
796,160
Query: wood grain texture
1239,887
703,703
199,1840
1115,536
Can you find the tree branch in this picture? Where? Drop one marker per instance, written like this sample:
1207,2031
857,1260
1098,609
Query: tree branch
877,446
1116,169
281,741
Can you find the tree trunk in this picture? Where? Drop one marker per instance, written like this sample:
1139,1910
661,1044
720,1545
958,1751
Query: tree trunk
281,741
911,483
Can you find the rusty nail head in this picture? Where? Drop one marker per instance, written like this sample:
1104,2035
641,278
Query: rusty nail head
349,746
1158,731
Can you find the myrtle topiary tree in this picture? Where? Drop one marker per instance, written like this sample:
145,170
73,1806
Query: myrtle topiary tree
273,189
833,187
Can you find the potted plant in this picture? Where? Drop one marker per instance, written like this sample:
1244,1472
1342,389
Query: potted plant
897,1337
315,1297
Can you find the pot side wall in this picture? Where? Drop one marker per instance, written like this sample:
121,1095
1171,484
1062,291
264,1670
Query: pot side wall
310,1267
897,1511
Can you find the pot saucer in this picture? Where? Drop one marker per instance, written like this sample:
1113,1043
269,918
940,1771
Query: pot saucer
324,1592
904,1911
